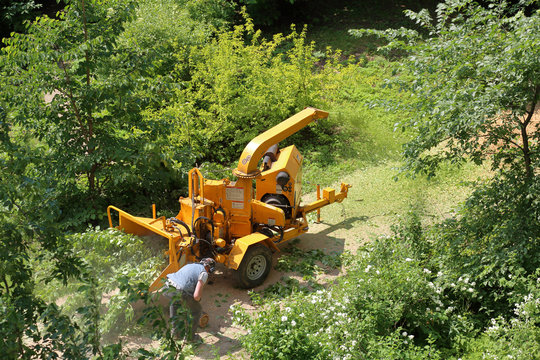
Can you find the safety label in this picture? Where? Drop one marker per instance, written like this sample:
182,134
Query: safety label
237,204
235,194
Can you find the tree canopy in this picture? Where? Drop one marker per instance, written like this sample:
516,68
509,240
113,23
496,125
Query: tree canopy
474,75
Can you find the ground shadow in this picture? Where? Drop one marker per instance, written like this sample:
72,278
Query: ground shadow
221,336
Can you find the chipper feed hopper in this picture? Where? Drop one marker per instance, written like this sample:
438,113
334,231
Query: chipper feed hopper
239,223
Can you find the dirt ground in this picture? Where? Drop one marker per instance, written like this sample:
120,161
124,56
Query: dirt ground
337,232
221,338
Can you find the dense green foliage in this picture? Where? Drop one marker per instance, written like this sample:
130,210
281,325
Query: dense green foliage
402,299
14,13
238,90
91,133
425,292
114,255
113,101
475,82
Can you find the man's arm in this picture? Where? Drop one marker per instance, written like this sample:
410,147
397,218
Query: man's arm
198,290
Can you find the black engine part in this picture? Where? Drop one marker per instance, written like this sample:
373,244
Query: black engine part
280,201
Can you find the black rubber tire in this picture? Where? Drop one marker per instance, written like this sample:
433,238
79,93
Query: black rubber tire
254,267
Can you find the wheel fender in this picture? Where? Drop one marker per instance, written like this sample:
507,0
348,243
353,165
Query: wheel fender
242,244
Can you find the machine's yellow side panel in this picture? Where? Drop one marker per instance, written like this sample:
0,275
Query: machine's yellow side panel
214,190
267,214
238,196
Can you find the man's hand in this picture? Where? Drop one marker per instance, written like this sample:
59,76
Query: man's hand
198,290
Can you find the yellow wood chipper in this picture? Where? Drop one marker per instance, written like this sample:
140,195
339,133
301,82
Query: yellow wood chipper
239,223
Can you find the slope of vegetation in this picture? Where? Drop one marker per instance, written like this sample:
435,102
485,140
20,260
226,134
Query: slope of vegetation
144,90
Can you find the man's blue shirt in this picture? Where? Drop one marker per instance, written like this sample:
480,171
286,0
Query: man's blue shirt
187,277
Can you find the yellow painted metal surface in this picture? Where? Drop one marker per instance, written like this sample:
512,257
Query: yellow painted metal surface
171,268
238,196
240,247
247,165
232,206
318,198
331,197
329,194
290,161
221,243
267,214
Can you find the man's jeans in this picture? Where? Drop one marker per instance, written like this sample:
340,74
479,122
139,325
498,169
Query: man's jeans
186,301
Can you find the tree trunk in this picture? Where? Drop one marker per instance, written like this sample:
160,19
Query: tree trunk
525,136
525,148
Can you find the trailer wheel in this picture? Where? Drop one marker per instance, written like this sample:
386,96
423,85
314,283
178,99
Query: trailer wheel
254,267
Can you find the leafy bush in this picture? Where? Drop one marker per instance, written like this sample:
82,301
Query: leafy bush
109,256
237,90
517,338
411,295
380,308
176,23
493,242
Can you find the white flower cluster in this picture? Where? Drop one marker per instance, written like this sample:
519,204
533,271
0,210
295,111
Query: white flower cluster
529,305
494,326
335,319
464,284
238,314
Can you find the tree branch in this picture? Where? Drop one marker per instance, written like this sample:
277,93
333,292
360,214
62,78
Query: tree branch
70,96
533,107
497,137
4,280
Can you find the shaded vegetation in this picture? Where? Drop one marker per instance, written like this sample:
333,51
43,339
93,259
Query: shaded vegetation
113,101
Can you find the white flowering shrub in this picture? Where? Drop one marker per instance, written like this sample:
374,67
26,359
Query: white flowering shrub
398,300
517,338
382,308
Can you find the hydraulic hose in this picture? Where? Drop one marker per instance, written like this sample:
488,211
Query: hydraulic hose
211,242
211,223
180,222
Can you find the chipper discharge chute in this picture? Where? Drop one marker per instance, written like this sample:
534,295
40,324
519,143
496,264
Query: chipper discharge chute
233,222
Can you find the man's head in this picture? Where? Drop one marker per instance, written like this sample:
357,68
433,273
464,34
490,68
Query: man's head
209,264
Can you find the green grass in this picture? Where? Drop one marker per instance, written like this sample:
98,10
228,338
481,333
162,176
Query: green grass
377,199
367,155
328,22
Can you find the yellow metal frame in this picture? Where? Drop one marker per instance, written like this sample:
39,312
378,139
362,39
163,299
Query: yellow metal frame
247,165
145,226
297,228
243,208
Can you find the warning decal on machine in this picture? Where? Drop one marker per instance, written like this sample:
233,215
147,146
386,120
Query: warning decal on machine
235,194
237,204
